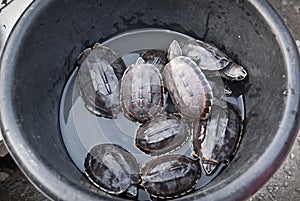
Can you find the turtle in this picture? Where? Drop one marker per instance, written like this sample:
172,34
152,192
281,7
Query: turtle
156,57
187,86
113,169
98,79
159,59
217,139
170,176
210,59
161,135
142,92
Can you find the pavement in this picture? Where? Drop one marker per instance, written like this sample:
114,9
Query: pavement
284,185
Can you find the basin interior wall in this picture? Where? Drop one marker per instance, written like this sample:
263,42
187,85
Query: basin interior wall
45,59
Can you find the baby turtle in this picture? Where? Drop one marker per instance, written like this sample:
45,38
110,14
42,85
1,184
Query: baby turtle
156,57
170,176
212,60
100,70
163,134
142,92
217,139
188,87
112,169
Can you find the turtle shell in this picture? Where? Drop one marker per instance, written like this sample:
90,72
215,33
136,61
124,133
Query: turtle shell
219,88
217,139
156,57
188,87
142,92
208,57
111,168
100,70
163,134
170,176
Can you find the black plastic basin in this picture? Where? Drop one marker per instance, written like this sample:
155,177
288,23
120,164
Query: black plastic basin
40,54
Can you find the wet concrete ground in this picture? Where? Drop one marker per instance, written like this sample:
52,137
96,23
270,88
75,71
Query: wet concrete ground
284,185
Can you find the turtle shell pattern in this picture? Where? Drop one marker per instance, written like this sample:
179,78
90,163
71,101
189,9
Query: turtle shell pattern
217,140
170,176
111,168
188,87
98,79
142,92
206,56
163,134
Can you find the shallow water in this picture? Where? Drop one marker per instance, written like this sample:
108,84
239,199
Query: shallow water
81,130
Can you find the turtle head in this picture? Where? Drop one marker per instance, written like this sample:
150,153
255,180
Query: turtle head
132,191
174,50
235,72
140,61
96,45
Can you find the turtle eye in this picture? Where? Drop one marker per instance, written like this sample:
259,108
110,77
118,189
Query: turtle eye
224,62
